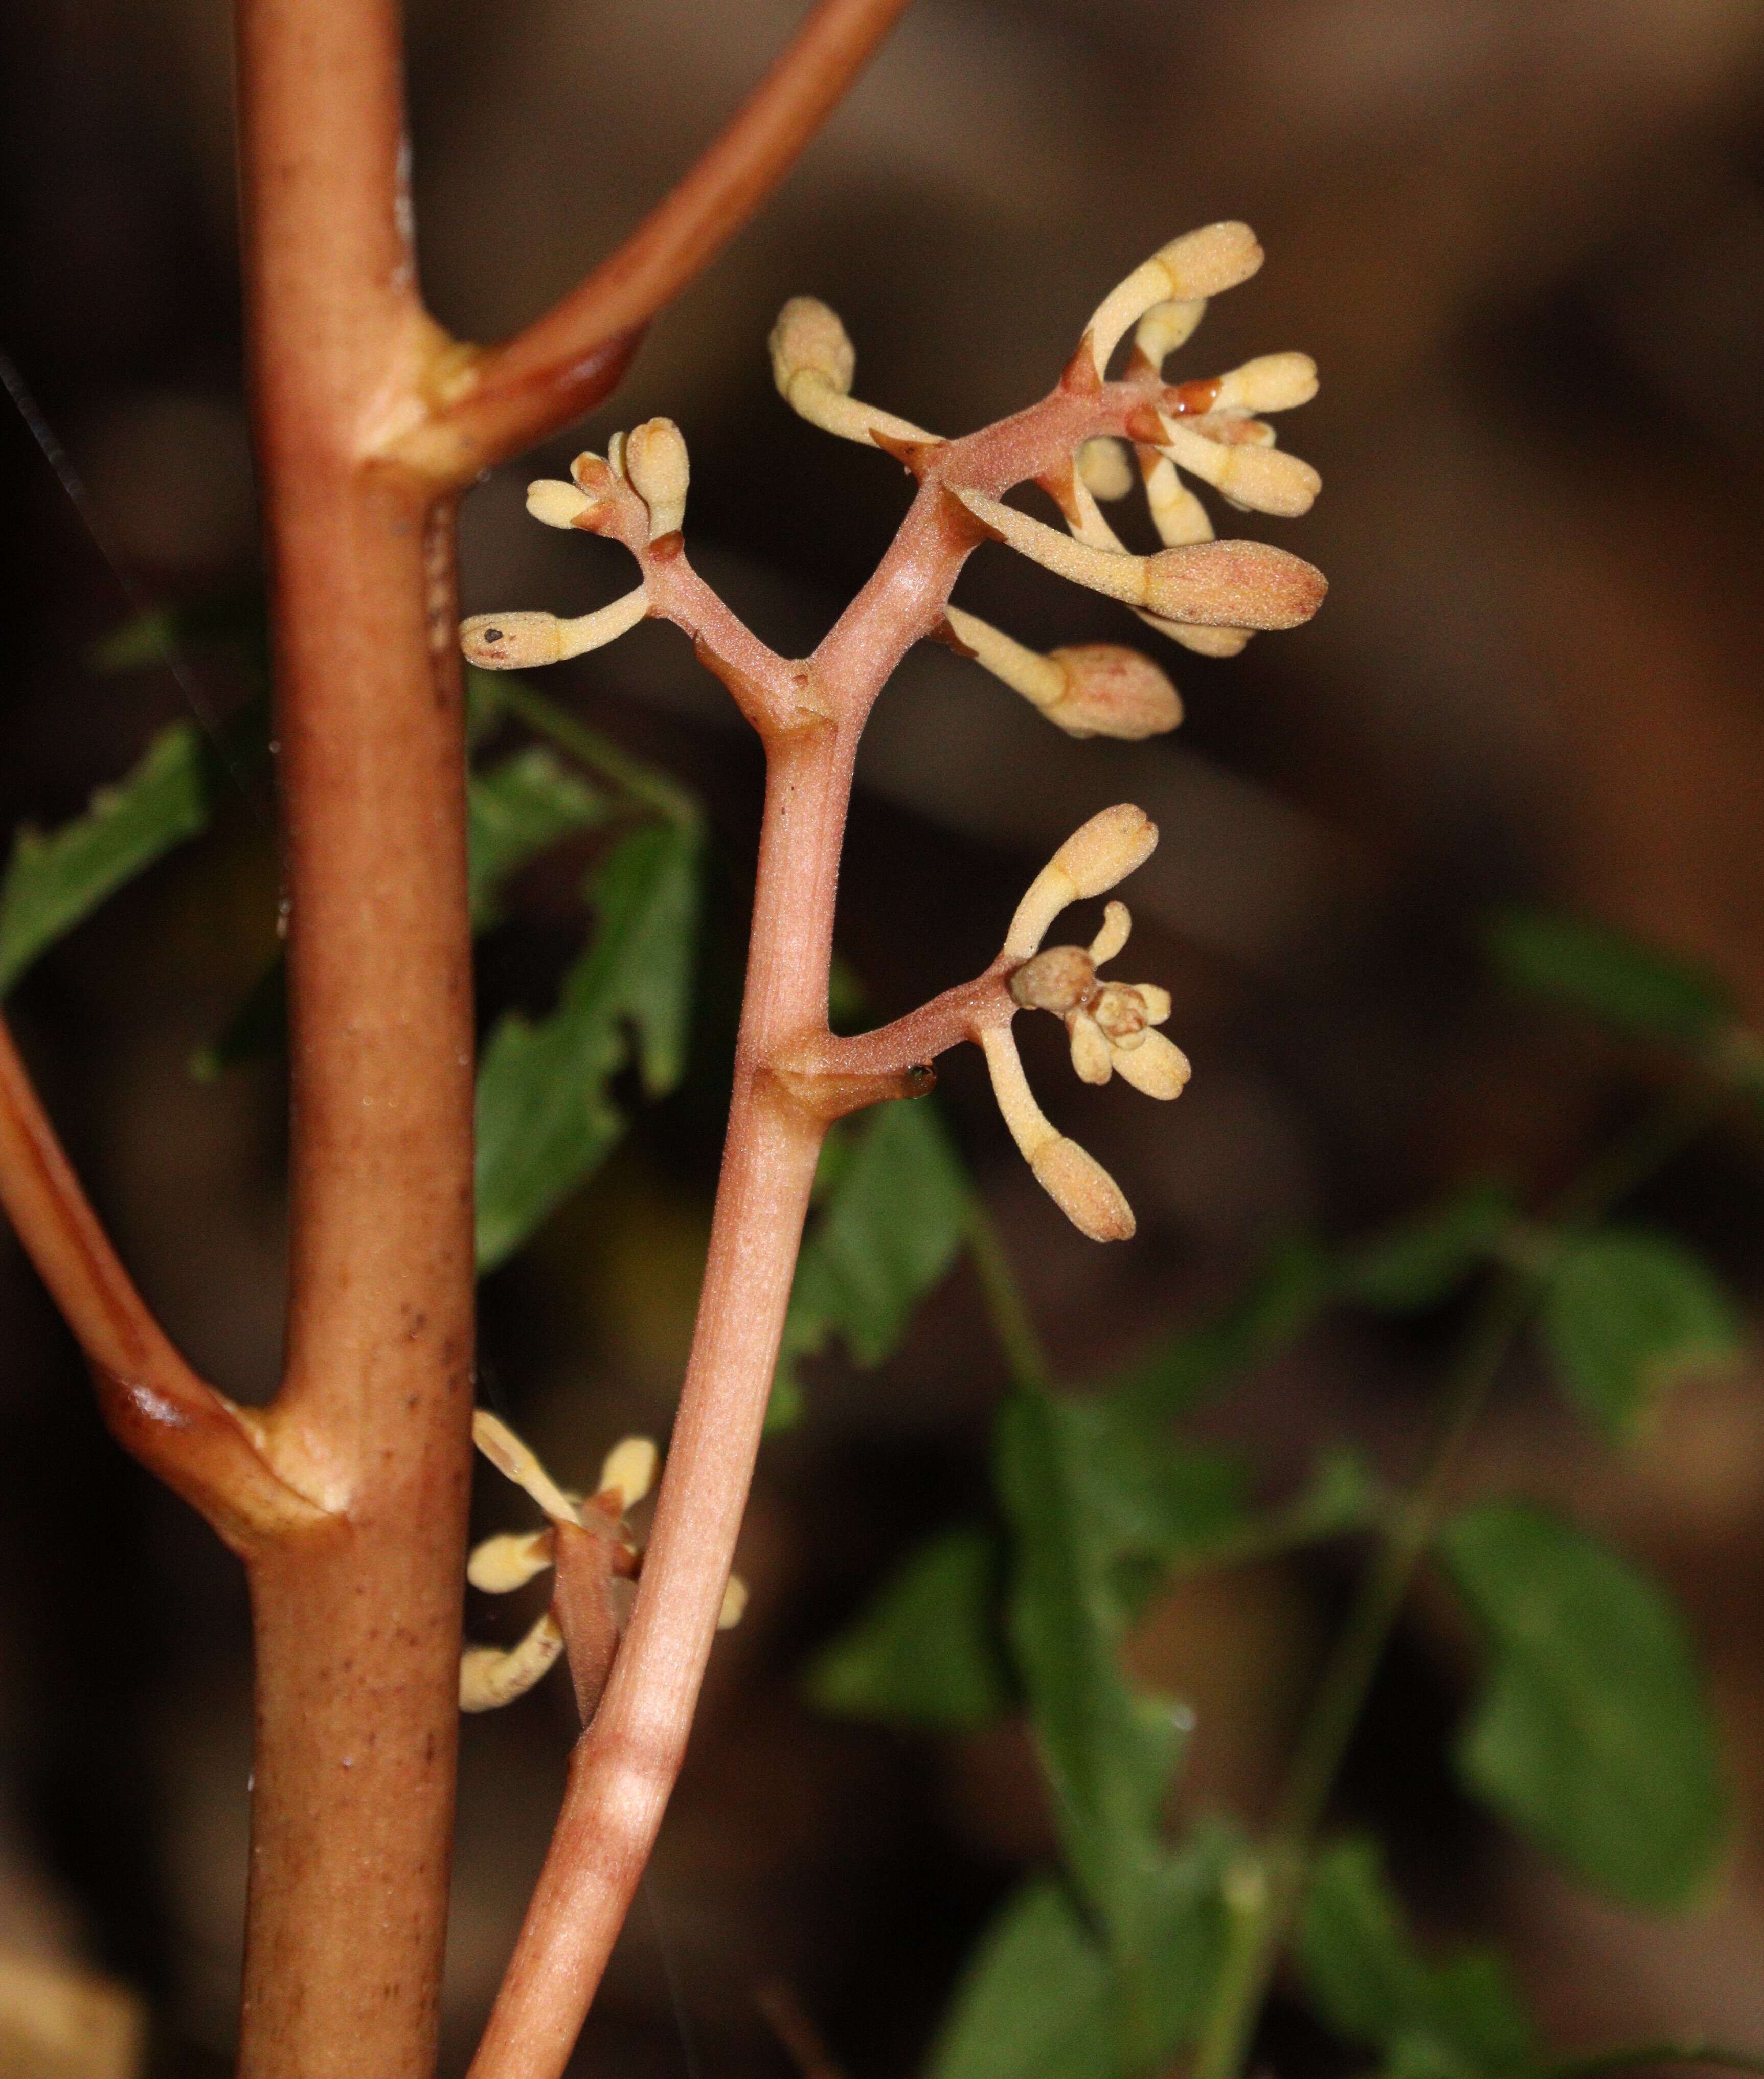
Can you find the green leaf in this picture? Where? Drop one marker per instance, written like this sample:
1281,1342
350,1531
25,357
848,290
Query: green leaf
1625,1314
1042,1998
1108,1752
546,1115
893,1202
1036,2000
1593,1734
1423,1262
1606,973
928,1651
55,881
1272,1312
515,810
1461,2020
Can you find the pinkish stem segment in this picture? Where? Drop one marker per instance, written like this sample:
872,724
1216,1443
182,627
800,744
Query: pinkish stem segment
792,1078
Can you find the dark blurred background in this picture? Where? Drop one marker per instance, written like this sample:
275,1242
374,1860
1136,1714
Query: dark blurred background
1526,245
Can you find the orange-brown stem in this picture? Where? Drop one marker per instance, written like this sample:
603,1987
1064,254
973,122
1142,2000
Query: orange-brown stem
198,1442
510,396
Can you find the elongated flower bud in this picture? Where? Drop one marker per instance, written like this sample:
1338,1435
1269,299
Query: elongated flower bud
656,466
1266,479
1234,584
517,641
489,1678
554,504
1230,584
1271,382
809,340
1198,264
1111,691
629,1471
1103,851
1094,690
501,1564
1166,326
1077,1183
518,1462
813,363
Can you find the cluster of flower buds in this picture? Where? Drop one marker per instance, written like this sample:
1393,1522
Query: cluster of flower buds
1110,1025
1210,429
651,461
1207,595
490,1676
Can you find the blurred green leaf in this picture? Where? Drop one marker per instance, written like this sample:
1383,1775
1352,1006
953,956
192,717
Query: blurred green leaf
1274,1309
546,1115
258,1027
1108,1751
1606,973
516,810
892,1213
1461,2020
929,1650
513,812
55,881
237,620
1042,1999
1624,1314
1593,1734
1035,2000
1421,1262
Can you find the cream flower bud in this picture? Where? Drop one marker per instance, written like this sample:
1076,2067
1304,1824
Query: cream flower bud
1084,1190
628,1471
518,641
1266,479
1090,1048
488,1678
1103,850
1271,382
812,364
1233,584
1200,264
1166,326
1112,692
501,1564
1104,469
658,471
1057,979
1093,689
519,1462
734,1604
1154,1067
809,340
1117,929
554,504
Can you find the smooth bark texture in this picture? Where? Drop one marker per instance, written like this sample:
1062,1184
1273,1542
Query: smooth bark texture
348,1496
357,1620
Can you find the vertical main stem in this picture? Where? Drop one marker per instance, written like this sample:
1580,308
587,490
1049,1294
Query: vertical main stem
624,1766
357,1617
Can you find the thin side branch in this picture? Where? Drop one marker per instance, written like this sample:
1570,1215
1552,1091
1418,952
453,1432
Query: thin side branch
194,1439
507,397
